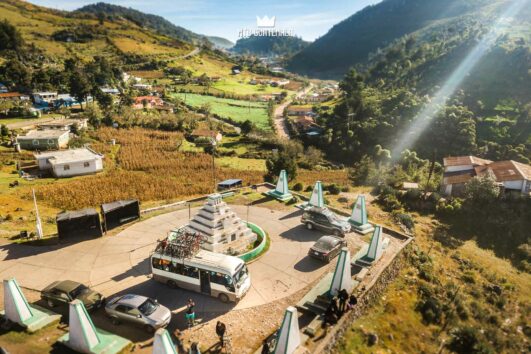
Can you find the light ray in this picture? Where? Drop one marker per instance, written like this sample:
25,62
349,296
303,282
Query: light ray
423,119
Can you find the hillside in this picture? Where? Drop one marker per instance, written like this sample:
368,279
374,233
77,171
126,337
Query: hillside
154,22
220,42
352,41
282,46
59,35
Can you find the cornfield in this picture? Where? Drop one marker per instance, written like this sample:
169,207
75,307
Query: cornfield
149,166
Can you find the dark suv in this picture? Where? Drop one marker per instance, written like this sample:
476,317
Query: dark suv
62,292
325,220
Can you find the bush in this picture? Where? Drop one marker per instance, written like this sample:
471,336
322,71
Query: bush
431,310
404,219
468,340
333,189
298,187
390,202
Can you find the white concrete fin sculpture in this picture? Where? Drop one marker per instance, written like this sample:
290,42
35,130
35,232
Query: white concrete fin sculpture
282,183
358,219
281,192
162,343
289,338
376,246
342,278
16,306
317,199
83,336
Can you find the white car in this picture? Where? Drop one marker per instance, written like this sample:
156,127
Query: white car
139,310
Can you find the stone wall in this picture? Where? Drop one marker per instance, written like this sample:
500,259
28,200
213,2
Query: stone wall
366,300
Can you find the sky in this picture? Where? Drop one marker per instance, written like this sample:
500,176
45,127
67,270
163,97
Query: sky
308,19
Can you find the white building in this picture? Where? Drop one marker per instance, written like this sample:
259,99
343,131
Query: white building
511,175
44,97
224,230
69,163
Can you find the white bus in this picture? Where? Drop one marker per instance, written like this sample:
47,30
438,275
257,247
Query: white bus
214,274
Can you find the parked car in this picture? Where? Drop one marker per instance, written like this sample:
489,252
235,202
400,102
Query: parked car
327,248
138,310
325,220
64,291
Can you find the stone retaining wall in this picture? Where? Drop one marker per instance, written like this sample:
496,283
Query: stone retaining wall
368,297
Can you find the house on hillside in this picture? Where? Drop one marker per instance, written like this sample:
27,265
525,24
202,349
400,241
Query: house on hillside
64,124
69,163
110,90
148,102
304,123
511,175
299,111
44,98
3,88
236,69
44,140
13,96
207,134
142,86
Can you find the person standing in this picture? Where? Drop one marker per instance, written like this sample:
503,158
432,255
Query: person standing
190,313
343,297
333,306
220,331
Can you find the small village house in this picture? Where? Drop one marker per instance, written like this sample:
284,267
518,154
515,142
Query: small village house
511,175
64,124
44,98
110,90
3,88
44,140
304,123
299,111
148,102
13,96
69,163
142,86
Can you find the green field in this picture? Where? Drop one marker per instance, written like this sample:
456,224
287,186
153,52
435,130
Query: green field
236,110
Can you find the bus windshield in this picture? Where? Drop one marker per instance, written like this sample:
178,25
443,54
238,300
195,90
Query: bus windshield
241,275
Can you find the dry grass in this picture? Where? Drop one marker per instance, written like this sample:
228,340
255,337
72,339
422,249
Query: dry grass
149,166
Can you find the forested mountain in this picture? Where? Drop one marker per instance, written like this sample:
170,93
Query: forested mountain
220,42
351,41
154,22
489,113
266,45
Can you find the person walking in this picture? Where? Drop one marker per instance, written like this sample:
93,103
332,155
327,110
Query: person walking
265,347
220,331
190,313
352,301
333,306
343,297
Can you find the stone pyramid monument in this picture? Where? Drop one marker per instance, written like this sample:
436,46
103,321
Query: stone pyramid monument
162,343
17,309
342,278
281,192
376,248
289,337
221,226
84,337
358,219
316,199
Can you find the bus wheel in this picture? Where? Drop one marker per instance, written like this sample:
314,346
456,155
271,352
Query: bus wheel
172,284
223,298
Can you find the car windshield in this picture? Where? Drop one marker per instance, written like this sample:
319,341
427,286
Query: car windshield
80,290
241,275
324,244
148,307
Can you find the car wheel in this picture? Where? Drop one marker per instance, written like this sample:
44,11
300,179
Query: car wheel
223,298
309,226
337,233
51,303
115,321
172,284
149,329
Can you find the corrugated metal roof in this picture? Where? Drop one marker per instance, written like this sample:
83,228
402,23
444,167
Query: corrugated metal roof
464,160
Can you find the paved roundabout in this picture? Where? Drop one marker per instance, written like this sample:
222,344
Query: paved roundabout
120,263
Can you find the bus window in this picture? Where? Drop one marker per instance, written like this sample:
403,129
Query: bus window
191,272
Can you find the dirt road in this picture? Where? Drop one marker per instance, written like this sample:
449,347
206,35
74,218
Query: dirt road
280,123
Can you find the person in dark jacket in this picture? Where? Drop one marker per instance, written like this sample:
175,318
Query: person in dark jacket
220,331
343,297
